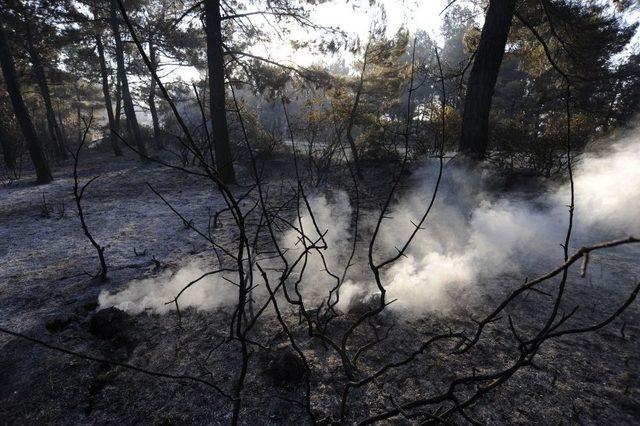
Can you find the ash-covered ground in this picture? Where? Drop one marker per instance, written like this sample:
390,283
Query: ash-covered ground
45,293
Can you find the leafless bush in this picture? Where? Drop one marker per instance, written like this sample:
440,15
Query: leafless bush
78,193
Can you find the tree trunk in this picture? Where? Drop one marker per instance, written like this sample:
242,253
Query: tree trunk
34,145
217,98
483,77
79,122
8,149
107,97
61,124
157,137
118,104
127,100
41,79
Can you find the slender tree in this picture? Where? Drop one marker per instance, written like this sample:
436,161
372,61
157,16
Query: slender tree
228,27
41,79
107,95
482,79
34,145
118,116
167,43
217,98
127,100
153,57
8,148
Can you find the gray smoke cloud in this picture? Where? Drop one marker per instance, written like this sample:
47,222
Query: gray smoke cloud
470,236
474,236
153,293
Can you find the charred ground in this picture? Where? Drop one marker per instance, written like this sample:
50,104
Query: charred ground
46,294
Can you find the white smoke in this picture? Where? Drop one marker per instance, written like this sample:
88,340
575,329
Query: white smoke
332,217
209,293
608,188
469,237
462,247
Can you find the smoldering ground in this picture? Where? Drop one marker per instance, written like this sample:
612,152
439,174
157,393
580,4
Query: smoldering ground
600,381
471,235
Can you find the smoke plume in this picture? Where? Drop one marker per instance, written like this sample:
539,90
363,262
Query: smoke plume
471,235
153,294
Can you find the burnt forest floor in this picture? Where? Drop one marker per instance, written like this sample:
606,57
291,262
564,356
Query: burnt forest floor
45,293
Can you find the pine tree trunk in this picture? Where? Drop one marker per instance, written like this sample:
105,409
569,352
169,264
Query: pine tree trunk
79,122
61,124
157,137
107,97
8,149
217,98
34,145
127,100
482,79
41,79
118,104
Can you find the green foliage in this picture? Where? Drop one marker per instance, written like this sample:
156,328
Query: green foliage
428,129
384,78
587,40
528,124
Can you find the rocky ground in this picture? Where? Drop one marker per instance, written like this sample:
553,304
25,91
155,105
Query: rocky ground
45,293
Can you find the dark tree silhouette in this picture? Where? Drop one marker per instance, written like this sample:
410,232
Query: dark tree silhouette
34,145
217,98
157,136
41,80
107,96
8,149
482,79
127,100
